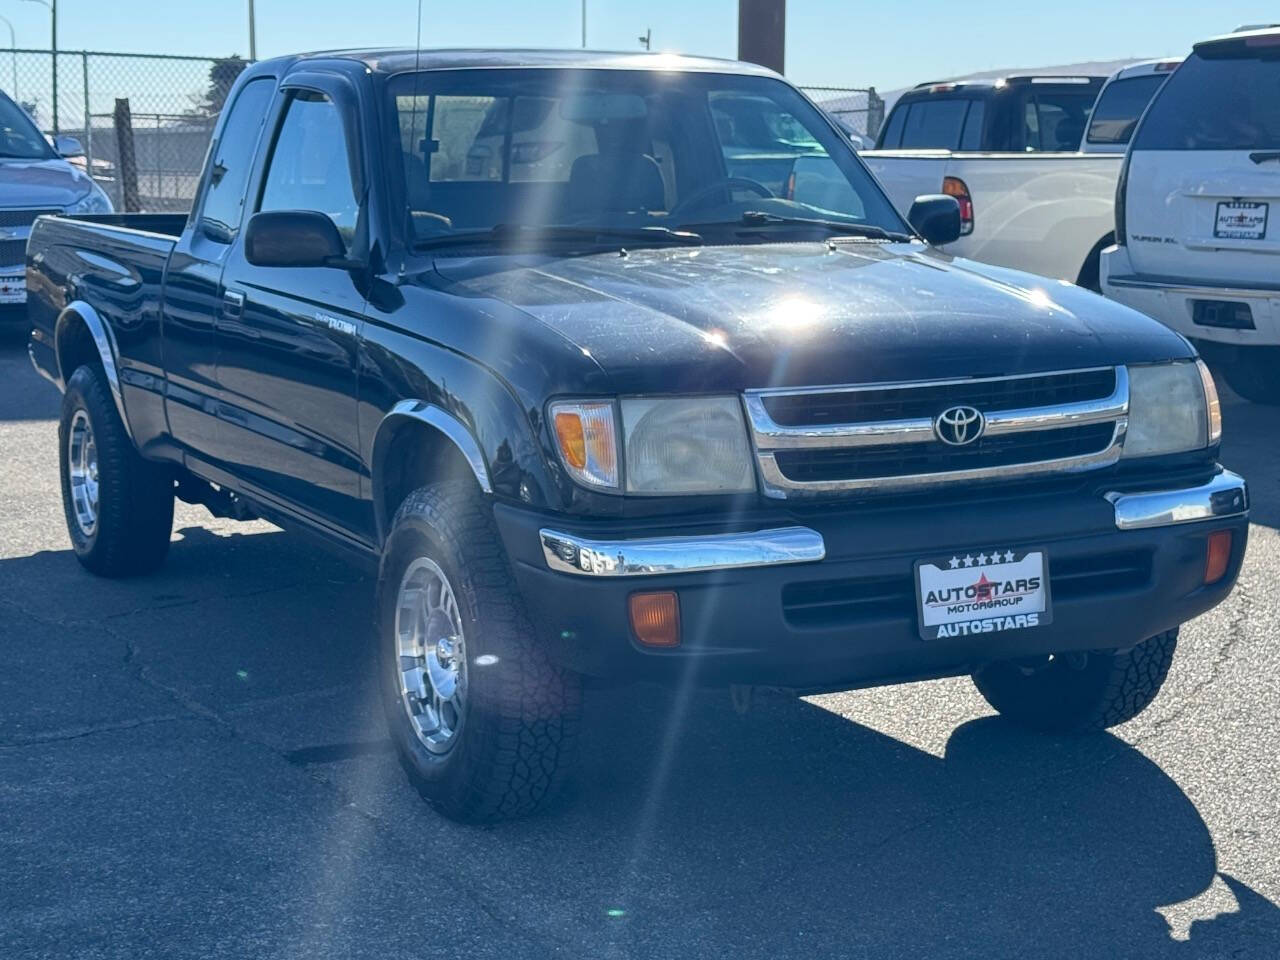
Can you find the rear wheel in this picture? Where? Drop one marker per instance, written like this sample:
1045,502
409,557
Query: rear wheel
119,507
1079,692
484,723
1255,374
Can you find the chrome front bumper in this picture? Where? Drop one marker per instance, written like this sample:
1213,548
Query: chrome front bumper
1226,495
567,553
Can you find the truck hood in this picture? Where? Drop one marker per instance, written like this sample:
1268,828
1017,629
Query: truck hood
41,184
718,318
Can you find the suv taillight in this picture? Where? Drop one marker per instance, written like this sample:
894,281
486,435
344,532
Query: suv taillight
955,187
1122,187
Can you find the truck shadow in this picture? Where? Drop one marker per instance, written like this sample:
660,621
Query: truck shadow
1249,448
690,830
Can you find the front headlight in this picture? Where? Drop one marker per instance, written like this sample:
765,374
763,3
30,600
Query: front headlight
95,201
670,445
1173,408
686,445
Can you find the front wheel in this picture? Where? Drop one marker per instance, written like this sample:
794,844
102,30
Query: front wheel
1255,374
1079,692
483,722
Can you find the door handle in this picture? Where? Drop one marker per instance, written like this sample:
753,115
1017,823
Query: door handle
233,304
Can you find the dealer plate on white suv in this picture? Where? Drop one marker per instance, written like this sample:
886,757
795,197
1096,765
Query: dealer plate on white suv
982,591
1241,220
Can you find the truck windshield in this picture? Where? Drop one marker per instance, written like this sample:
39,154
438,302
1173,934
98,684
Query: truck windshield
623,150
19,138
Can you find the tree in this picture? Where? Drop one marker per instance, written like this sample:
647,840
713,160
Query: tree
222,75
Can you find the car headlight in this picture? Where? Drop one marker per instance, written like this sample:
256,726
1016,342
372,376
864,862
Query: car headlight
686,445
1173,408
672,445
95,201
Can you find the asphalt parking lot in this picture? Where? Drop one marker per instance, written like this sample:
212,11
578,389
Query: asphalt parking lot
193,764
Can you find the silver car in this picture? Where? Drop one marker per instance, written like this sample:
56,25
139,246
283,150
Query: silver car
35,178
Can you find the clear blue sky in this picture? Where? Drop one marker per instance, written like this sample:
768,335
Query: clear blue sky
835,42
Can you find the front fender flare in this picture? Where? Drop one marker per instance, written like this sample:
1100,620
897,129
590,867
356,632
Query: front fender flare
441,420
105,342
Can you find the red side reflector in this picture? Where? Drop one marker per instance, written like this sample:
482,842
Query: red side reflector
1217,556
655,618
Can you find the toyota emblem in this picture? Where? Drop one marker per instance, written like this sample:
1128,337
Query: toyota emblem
958,426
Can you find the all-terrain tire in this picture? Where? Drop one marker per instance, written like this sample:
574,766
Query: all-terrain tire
520,720
135,496
1255,374
1067,695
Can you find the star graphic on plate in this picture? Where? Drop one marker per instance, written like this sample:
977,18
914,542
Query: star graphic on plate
1008,557
982,558
955,562
968,560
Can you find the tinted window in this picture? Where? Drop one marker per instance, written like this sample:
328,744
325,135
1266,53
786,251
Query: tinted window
19,137
233,158
934,124
893,129
1055,120
311,166
1121,104
1219,99
973,126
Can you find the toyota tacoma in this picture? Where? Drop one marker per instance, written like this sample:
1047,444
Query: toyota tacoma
606,399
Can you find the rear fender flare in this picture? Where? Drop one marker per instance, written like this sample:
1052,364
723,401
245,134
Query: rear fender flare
80,312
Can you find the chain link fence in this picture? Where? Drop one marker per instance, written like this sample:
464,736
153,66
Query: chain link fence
859,110
144,121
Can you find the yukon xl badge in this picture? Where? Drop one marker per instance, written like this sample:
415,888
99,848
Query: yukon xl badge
957,426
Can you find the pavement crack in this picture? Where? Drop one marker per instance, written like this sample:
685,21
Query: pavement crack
79,733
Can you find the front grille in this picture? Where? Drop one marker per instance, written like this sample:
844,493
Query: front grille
884,437
927,400
901,460
24,217
848,602
12,252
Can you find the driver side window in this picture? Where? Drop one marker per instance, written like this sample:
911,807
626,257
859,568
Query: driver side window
311,166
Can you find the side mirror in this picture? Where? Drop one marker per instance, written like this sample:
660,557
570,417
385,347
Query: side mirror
936,217
293,238
67,147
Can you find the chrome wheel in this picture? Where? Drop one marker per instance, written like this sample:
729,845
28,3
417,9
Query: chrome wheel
432,655
82,471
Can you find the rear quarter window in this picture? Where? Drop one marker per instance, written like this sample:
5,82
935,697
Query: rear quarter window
933,124
1223,97
1120,106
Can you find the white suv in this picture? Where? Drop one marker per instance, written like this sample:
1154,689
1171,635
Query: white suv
1198,210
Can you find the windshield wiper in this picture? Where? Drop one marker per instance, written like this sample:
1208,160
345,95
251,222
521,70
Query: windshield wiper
521,232
761,218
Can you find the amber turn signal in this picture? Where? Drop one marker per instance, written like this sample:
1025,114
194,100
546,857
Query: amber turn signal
655,618
1217,556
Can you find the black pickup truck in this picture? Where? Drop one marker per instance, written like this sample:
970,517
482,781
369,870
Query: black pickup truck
605,398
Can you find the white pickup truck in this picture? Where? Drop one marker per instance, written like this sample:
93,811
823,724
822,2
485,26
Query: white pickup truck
1010,151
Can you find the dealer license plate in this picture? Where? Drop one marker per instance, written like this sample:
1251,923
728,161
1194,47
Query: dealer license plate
1241,220
982,591
13,289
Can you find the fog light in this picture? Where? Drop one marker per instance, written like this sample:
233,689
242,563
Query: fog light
655,618
1218,556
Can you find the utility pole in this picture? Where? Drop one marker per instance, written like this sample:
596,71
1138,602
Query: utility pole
762,32
253,33
584,24
646,39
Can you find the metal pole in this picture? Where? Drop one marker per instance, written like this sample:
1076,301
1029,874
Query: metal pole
253,33
53,16
584,24
88,121
13,49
